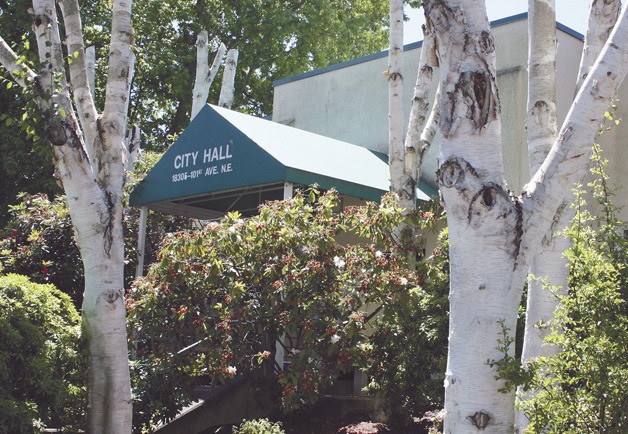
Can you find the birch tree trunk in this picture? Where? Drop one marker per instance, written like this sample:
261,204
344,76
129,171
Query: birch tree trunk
204,73
602,18
416,141
493,232
396,162
227,89
89,154
549,267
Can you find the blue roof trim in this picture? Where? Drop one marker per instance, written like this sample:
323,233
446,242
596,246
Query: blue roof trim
344,64
407,47
570,31
510,19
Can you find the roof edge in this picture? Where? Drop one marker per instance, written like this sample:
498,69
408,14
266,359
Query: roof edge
408,47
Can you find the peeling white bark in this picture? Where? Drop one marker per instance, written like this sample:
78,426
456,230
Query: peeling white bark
227,89
549,267
493,233
395,107
429,131
602,17
204,74
92,175
81,91
414,146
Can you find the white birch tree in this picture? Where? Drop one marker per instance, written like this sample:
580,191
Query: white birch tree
89,155
549,267
493,232
395,107
204,73
227,88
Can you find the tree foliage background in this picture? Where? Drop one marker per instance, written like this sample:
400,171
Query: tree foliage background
276,39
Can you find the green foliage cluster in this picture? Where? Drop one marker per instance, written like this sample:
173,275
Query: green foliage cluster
220,298
259,426
38,241
583,388
275,39
42,368
409,347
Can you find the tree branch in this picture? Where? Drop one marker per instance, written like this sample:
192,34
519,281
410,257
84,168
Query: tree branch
204,75
8,59
83,95
602,17
46,28
541,116
420,104
112,125
227,89
543,196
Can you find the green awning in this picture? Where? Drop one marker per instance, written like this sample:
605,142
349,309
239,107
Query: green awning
226,161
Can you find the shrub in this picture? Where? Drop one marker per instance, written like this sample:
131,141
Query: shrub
582,388
41,367
38,241
259,426
409,346
219,298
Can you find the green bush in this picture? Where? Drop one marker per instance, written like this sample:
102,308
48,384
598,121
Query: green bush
38,241
41,367
582,389
409,347
220,297
259,426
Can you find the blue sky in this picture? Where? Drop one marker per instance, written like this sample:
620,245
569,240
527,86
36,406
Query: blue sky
572,13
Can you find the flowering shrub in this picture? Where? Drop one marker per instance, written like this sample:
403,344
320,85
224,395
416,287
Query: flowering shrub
221,299
39,242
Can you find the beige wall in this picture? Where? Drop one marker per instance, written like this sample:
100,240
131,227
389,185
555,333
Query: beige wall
350,102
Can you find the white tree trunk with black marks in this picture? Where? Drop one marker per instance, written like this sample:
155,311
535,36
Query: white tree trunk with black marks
227,88
416,142
396,162
492,232
204,73
89,155
549,266
602,18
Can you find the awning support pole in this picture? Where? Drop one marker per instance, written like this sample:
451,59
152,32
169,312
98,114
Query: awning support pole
141,242
288,188
288,191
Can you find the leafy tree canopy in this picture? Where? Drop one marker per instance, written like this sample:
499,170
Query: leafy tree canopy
276,39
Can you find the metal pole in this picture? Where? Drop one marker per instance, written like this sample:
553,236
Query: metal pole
141,242
288,191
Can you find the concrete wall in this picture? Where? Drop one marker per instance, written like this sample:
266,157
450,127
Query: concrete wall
349,101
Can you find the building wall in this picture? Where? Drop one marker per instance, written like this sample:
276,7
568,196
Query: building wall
349,101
